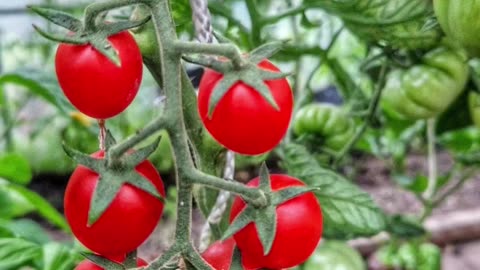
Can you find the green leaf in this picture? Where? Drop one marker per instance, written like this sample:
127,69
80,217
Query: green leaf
57,256
16,252
28,230
41,83
347,211
44,208
13,203
418,184
405,227
15,168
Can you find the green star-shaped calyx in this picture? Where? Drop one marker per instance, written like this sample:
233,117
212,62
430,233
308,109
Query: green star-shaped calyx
80,35
113,174
265,216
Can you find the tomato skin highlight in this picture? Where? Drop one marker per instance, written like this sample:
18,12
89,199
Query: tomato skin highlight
127,222
92,83
88,265
243,120
299,229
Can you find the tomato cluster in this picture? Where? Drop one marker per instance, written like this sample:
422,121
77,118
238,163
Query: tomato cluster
243,120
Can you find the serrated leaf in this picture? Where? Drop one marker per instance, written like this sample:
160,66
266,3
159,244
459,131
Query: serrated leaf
265,51
15,168
15,252
347,210
59,18
220,91
103,262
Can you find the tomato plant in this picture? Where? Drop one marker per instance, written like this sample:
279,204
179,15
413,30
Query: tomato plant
427,90
92,83
243,121
298,231
128,221
88,265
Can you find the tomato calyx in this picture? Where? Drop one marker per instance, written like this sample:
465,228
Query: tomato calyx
247,72
113,175
263,211
81,34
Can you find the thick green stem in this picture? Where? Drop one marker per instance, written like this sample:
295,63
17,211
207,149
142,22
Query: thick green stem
256,22
226,50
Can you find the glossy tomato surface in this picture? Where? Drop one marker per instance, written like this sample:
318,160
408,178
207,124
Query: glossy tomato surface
126,223
220,254
299,229
92,83
88,265
243,120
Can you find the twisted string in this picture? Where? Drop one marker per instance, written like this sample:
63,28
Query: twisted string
204,33
202,21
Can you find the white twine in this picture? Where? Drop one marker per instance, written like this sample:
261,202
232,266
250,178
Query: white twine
204,33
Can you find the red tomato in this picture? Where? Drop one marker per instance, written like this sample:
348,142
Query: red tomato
88,265
126,223
95,85
299,229
243,120
219,255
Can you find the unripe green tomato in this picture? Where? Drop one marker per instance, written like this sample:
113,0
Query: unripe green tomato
334,255
474,107
426,90
145,35
459,19
326,121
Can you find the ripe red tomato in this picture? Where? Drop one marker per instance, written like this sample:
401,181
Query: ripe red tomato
126,223
219,255
95,85
243,120
88,265
299,229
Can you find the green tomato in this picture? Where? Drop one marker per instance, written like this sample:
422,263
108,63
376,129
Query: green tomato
459,20
390,22
474,106
326,121
335,255
426,90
